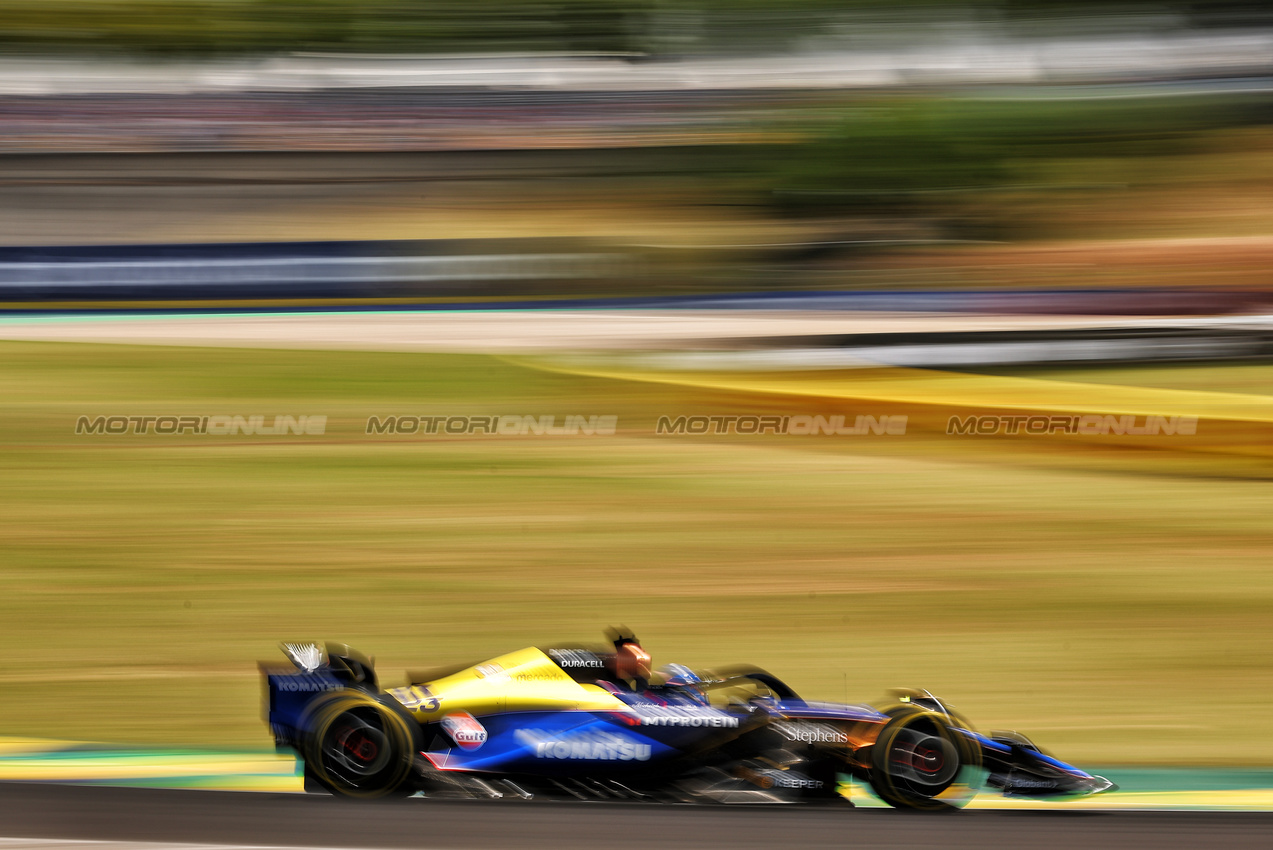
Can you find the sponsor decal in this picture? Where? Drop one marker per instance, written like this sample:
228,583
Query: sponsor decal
810,733
653,715
549,675
305,684
576,658
788,779
770,778
464,730
1015,783
584,745
531,673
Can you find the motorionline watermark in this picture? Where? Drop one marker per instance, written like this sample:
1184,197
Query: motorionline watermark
220,425
1089,424
505,425
797,425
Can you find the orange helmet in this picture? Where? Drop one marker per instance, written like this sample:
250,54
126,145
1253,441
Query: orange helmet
630,660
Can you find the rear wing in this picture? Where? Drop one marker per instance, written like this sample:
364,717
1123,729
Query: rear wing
288,689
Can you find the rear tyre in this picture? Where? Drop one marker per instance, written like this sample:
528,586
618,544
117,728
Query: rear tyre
357,747
918,757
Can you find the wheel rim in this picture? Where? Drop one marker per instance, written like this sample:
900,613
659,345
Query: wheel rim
924,762
355,748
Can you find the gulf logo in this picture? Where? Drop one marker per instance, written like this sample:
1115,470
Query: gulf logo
464,730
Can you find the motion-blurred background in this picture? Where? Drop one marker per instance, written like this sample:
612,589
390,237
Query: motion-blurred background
950,212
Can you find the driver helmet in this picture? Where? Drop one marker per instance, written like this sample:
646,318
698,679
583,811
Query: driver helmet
631,661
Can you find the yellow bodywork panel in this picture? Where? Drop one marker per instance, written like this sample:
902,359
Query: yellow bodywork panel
525,680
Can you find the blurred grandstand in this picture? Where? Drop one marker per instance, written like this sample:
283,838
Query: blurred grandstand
672,148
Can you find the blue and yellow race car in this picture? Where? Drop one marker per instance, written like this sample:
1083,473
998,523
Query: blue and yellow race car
594,723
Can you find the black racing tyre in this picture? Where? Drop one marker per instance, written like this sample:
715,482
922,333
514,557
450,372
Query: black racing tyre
314,785
356,747
918,756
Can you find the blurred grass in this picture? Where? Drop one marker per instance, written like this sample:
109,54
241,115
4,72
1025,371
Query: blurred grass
1117,612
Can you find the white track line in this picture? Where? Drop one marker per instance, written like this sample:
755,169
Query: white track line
498,331
91,844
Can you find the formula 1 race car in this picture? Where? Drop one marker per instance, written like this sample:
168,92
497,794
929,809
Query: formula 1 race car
563,722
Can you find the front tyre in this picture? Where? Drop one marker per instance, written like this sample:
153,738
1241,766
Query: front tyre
357,747
919,756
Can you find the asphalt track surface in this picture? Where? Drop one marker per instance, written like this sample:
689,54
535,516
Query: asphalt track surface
87,813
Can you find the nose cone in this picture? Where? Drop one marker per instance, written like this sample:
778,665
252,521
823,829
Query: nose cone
1096,785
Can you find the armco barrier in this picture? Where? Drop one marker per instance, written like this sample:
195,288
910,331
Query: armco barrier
297,269
562,273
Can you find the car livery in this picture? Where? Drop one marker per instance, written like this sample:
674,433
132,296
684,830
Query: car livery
552,722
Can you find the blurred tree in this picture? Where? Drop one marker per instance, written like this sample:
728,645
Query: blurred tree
593,26
943,158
